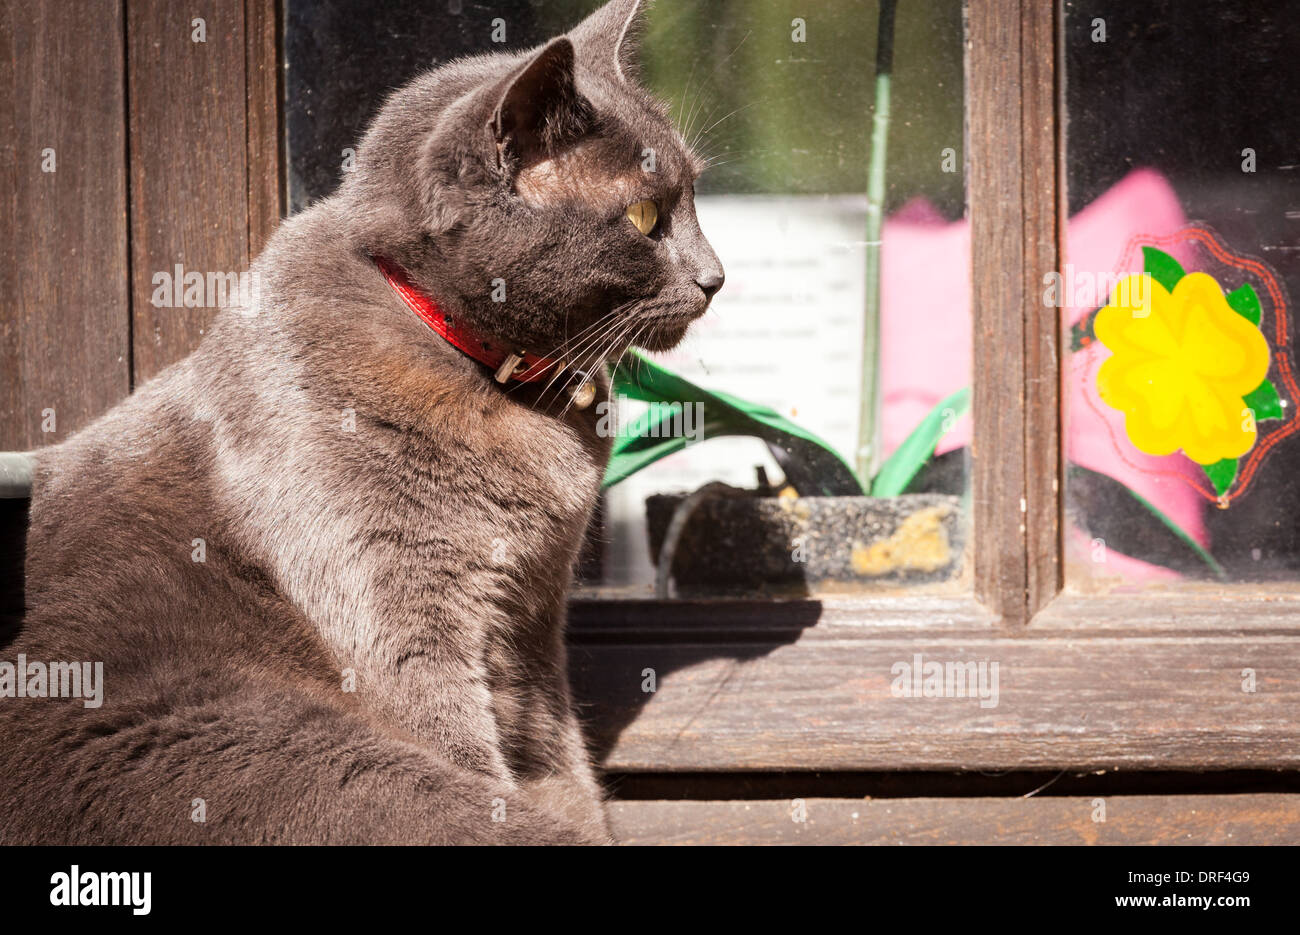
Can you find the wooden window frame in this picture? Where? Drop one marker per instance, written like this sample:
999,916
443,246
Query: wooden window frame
1088,682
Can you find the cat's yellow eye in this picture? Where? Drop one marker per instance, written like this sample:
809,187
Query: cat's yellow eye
644,215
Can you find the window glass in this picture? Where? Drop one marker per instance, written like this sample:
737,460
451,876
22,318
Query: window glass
1181,259
759,413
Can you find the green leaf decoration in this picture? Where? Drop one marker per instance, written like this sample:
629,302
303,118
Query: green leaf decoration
918,448
1082,332
1163,268
1244,300
1222,474
1147,534
810,464
1265,402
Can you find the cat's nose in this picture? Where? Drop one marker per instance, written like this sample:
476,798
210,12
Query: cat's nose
711,283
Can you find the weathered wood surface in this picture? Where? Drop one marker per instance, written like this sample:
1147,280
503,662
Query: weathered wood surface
63,254
189,144
1044,211
822,700
1193,608
166,155
262,64
1152,819
995,169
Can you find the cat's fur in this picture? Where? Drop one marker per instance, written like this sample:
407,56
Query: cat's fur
429,551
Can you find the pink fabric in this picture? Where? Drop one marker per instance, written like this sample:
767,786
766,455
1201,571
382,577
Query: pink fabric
926,336
925,321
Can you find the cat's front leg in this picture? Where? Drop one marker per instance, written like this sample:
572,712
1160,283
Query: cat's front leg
575,804
440,696
548,750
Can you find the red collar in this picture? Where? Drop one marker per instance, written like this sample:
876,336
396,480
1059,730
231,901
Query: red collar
508,365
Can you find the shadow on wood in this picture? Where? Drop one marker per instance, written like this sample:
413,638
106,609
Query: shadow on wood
620,652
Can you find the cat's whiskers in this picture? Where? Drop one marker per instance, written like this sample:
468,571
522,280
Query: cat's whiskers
686,89
603,352
559,351
725,117
708,150
696,106
599,353
707,80
630,344
574,357
722,162
640,362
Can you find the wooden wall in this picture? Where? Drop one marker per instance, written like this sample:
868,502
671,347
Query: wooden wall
165,151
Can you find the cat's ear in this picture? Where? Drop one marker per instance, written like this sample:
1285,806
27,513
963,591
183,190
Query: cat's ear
539,107
607,39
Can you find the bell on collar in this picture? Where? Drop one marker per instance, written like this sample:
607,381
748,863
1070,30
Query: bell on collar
582,389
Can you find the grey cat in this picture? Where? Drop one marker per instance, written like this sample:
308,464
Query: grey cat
328,495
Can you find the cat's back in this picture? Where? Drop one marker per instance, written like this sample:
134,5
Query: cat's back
128,547
129,580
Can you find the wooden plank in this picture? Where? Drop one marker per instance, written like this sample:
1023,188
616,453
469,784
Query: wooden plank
63,286
736,619
994,83
936,784
1041,233
1147,819
262,67
1194,607
823,701
188,166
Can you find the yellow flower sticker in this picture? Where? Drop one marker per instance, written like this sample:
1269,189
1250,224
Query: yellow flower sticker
1181,364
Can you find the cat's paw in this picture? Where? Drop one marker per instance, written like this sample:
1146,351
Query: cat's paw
576,808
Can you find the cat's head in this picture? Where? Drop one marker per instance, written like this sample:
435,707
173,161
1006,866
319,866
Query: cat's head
546,196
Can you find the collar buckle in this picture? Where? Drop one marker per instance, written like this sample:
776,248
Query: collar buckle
509,367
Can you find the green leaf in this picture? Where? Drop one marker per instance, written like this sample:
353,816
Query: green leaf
1265,402
810,464
1244,300
1082,332
1221,474
1163,268
918,448
1103,501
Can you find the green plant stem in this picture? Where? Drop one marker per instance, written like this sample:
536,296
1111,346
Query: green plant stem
868,453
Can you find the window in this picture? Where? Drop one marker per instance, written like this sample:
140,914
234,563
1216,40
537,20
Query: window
1189,176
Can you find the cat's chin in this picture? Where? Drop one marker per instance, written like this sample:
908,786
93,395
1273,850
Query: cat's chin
666,335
